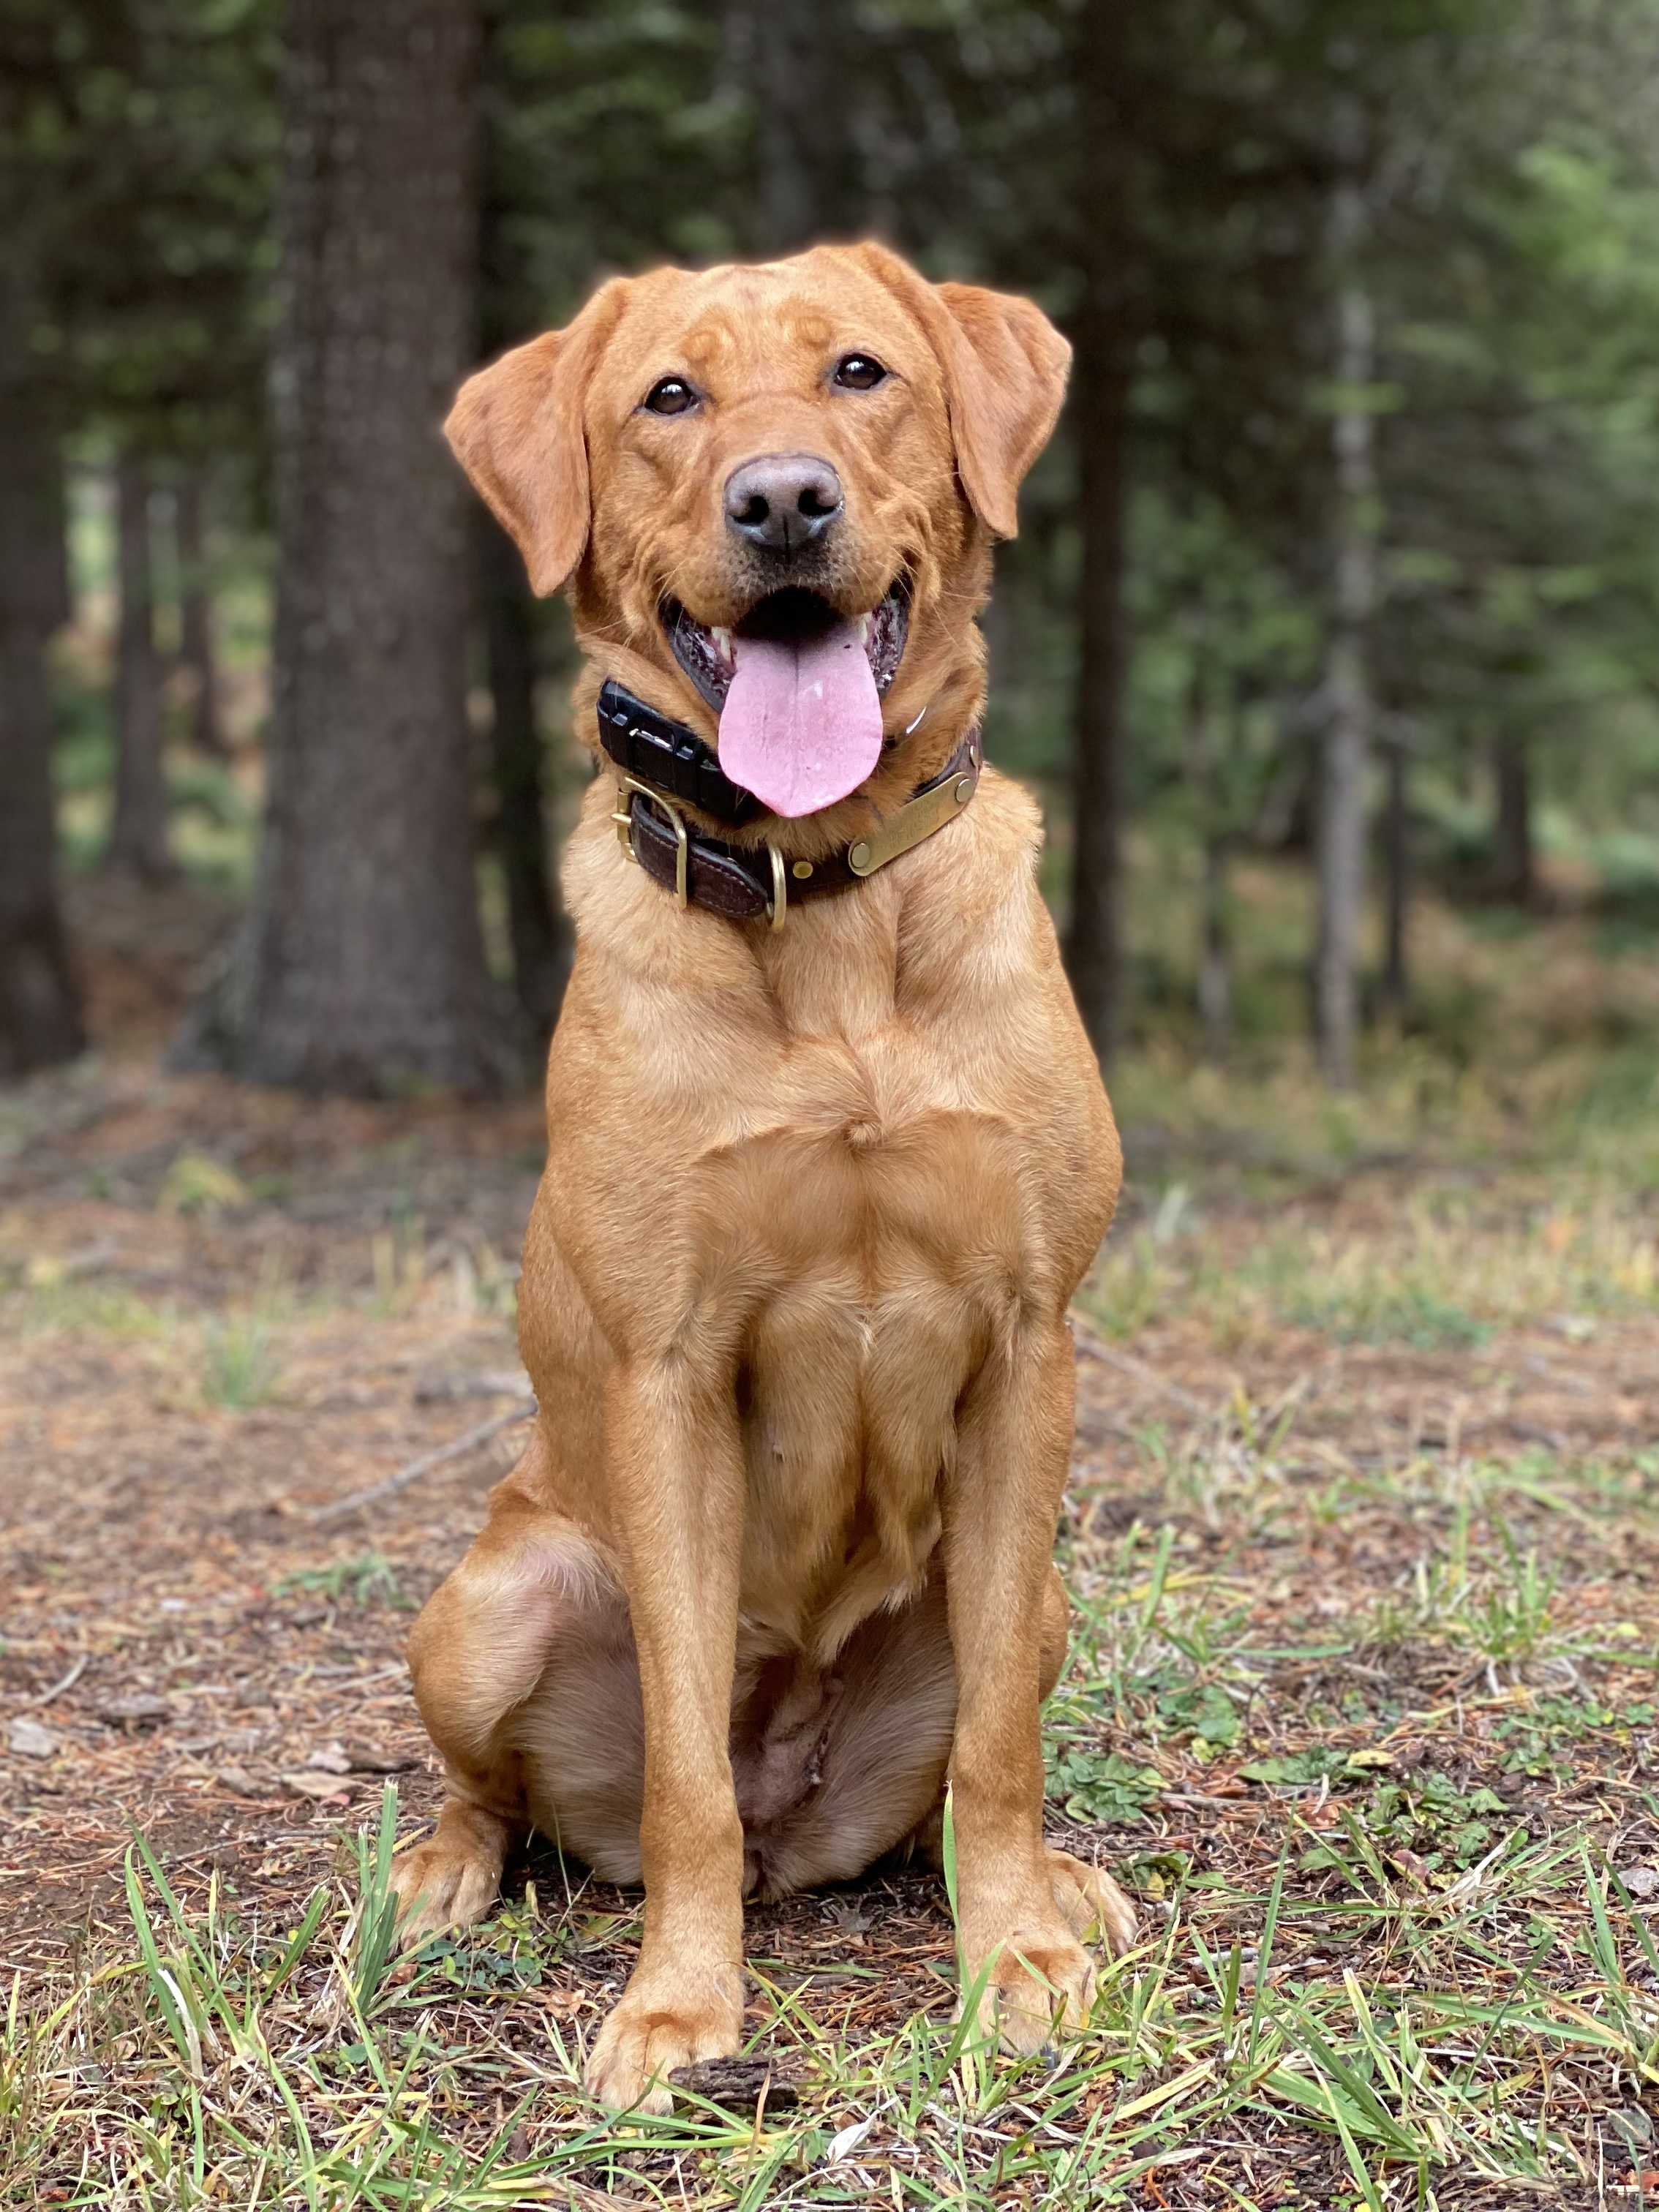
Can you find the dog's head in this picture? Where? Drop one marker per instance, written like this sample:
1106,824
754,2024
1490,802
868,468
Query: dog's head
773,491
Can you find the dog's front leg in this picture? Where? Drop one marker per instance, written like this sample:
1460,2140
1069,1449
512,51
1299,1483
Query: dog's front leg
1022,1907
674,1465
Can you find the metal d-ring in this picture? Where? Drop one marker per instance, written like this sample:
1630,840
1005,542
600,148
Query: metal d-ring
623,817
779,908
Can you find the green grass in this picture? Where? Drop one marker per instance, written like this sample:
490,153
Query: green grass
1419,1970
1369,1729
370,1577
220,2062
1441,1271
240,1366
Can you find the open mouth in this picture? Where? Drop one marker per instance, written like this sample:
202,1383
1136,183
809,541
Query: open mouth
789,617
798,689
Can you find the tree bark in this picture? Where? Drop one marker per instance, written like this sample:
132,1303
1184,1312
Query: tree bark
542,939
362,967
1101,379
1207,740
1512,853
808,160
40,1016
1215,958
1396,866
196,619
544,943
1346,753
138,834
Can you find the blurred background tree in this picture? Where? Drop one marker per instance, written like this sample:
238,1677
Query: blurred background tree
1333,603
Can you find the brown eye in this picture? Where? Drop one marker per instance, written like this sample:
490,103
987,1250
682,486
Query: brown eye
673,396
859,372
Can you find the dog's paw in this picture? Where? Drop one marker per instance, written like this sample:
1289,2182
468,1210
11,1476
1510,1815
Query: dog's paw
666,2024
1041,1980
1035,1986
1096,1909
441,1884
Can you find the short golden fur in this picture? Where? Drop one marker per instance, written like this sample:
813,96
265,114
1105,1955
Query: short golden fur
778,1555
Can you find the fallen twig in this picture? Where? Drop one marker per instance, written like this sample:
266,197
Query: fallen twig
522,1411
1127,1364
68,1682
492,1383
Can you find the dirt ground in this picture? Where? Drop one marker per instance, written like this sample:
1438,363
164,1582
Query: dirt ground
224,1312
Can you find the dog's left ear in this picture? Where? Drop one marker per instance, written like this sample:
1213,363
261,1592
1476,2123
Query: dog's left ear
1005,368
516,427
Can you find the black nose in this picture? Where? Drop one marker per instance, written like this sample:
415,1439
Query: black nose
782,501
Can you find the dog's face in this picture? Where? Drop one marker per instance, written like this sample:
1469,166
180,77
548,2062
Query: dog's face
773,491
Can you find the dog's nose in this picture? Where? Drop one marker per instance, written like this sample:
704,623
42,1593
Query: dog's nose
782,501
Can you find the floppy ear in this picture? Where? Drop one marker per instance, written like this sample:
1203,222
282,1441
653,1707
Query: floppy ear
516,428
1005,368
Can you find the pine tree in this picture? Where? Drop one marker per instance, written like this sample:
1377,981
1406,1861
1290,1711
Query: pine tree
362,966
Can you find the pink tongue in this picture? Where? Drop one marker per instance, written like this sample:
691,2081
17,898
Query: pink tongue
801,726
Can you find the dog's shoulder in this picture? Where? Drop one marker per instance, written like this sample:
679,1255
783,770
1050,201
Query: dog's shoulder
971,901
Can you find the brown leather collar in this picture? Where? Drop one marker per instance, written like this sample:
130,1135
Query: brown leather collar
743,883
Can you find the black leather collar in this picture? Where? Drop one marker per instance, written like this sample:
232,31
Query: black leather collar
647,744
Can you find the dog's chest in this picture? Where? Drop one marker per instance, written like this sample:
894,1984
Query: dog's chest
883,1235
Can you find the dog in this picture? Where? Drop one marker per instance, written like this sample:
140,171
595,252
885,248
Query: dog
829,1153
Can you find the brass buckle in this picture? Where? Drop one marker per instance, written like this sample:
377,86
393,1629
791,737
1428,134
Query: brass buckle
622,816
779,909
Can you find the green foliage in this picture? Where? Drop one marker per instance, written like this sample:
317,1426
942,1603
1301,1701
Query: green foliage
218,2057
1094,1786
1409,1313
240,1364
369,1578
140,137
1511,209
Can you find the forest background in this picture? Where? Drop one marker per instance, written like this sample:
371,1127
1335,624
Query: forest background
1328,645
1327,640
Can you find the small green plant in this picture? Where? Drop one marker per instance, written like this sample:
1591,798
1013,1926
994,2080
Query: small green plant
1512,1620
1092,1785
1130,1285
196,1183
240,1362
1507,1617
1381,1313
369,1579
375,1921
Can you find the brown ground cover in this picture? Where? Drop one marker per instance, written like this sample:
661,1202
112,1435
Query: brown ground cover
1363,1706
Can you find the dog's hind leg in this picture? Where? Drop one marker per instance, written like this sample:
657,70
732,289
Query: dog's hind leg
530,1622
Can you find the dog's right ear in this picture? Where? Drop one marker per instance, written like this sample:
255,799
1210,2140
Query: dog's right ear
516,428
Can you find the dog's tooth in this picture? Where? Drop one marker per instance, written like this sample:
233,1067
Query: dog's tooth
864,630
722,643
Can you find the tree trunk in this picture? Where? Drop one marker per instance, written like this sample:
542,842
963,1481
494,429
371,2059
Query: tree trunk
39,1018
196,619
808,164
1346,753
362,967
138,834
1206,741
1215,963
544,942
1396,865
1101,379
1512,855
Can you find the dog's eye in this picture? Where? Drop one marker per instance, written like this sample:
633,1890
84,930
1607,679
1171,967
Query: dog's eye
859,372
673,396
